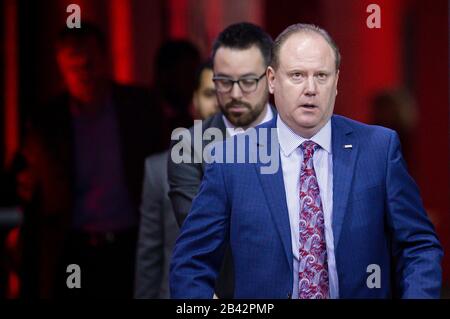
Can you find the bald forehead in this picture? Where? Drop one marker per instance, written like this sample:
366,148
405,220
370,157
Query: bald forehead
306,44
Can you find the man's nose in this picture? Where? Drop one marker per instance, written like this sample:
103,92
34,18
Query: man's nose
311,87
236,92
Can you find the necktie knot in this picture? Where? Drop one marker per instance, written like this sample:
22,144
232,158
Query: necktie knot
308,148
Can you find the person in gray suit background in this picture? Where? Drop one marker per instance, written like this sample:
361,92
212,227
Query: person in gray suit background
158,228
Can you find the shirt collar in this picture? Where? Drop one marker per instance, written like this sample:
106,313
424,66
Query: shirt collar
233,130
290,141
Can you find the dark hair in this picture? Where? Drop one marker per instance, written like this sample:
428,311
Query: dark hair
207,65
298,28
243,36
78,36
173,52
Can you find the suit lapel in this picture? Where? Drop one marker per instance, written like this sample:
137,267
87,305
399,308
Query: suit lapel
273,187
345,151
216,122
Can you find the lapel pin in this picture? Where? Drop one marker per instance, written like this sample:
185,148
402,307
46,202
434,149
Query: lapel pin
348,146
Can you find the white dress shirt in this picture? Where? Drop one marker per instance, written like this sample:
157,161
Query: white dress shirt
291,159
233,130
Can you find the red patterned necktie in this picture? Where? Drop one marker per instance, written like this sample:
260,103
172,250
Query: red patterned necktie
313,266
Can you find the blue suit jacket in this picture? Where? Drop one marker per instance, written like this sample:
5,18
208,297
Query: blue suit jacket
378,218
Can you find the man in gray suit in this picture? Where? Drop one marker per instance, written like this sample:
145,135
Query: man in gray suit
240,55
158,228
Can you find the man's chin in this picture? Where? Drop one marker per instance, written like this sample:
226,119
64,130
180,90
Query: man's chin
307,121
240,121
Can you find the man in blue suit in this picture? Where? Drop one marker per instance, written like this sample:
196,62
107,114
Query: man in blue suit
339,218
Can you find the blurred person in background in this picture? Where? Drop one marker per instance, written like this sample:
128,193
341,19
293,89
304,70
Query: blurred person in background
158,228
397,110
175,64
85,155
204,100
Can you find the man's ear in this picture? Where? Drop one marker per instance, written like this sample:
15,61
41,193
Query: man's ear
337,80
270,73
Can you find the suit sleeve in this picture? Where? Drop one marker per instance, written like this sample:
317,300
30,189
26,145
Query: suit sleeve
200,248
416,247
184,182
150,256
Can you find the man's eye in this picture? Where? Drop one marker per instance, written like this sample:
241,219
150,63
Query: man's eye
322,76
224,82
296,75
247,82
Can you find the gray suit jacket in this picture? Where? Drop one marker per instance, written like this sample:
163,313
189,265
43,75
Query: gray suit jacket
158,231
185,178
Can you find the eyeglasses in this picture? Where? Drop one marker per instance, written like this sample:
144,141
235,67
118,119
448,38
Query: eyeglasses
247,84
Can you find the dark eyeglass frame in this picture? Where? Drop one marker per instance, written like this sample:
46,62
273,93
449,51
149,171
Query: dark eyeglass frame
238,81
